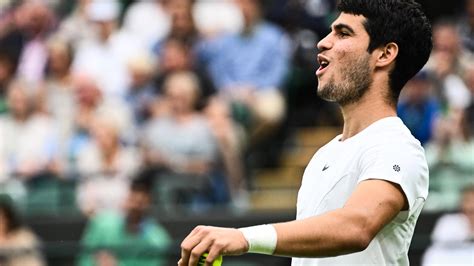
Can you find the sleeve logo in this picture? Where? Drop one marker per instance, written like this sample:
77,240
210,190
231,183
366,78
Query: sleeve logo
396,167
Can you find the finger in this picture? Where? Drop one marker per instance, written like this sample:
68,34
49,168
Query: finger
180,262
213,254
197,251
189,243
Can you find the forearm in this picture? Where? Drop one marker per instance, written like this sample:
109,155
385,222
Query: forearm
335,233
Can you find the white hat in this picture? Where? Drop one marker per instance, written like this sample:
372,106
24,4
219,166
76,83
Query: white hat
103,10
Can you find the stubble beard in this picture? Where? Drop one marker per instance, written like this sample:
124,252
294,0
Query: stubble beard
356,80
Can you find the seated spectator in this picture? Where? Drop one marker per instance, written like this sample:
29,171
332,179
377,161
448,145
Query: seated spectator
31,149
57,97
105,57
18,245
180,141
104,166
448,63
182,21
130,237
142,91
450,160
35,21
177,55
249,68
90,103
418,108
453,235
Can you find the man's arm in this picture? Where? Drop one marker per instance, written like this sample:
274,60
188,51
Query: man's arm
372,205
350,229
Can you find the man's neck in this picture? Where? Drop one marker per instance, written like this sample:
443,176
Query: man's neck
360,115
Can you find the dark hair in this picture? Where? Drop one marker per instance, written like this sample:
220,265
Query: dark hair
143,181
69,51
11,217
402,22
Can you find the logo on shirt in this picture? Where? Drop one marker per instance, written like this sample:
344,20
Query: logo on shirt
396,167
325,167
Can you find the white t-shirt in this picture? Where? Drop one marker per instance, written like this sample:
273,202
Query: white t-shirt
384,150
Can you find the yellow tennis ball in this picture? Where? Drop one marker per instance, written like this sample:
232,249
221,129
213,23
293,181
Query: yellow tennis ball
202,260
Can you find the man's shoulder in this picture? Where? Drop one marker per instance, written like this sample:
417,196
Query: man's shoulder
107,219
391,132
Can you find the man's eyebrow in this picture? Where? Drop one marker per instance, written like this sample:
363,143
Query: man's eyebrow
342,26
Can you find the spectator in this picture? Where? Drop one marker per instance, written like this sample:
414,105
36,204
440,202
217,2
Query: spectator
249,68
31,149
142,92
35,21
105,57
453,235
450,160
18,245
181,142
448,62
128,238
182,26
177,55
418,108
57,91
104,166
91,102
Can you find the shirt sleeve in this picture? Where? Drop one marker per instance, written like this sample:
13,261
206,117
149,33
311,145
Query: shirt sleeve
400,163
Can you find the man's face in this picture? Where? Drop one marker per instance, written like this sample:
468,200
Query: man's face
345,71
137,204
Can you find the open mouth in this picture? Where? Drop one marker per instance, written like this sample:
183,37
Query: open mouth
323,64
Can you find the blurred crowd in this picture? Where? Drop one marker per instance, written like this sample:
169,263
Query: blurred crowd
108,89
171,97
438,107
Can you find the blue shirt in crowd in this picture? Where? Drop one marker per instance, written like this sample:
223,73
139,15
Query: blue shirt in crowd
259,58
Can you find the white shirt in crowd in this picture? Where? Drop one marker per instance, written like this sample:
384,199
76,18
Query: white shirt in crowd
451,242
385,150
107,62
147,21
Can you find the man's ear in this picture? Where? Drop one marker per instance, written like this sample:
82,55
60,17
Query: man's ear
386,55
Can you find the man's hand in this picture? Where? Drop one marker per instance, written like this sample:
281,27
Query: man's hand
213,240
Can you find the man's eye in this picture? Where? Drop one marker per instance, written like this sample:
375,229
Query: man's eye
343,34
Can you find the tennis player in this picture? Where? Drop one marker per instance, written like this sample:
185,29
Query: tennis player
361,193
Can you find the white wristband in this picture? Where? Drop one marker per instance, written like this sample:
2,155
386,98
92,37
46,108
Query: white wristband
261,238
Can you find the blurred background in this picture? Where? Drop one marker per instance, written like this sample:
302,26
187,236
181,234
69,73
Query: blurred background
124,124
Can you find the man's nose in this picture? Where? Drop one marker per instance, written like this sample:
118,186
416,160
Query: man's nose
325,43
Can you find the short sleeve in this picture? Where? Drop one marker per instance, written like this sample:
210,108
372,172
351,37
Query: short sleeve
399,162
